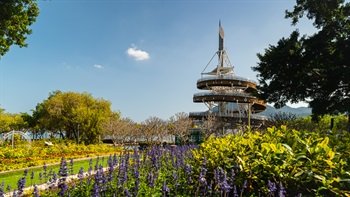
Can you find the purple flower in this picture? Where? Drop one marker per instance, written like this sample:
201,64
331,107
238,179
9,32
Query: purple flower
71,167
35,191
136,187
235,193
210,188
32,175
272,187
165,188
63,188
202,174
63,168
115,159
81,175
232,177
2,189
21,184
8,187
188,173
96,188
281,191
126,192
150,180
221,179
40,176
54,176
110,168
97,160
25,172
243,186
14,194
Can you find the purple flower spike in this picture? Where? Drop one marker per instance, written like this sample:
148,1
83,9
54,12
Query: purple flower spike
36,191
20,185
25,172
272,187
126,192
165,189
32,175
282,190
150,180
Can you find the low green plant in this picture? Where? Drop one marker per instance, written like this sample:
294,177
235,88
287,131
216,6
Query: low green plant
311,163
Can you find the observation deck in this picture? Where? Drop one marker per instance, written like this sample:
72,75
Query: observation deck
227,96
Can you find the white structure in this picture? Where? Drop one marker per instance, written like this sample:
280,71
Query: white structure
226,95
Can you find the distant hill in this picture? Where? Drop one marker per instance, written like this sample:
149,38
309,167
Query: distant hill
270,110
299,111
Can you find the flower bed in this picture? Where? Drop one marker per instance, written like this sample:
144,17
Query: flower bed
24,156
279,162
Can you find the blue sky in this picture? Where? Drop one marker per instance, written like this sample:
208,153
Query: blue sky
144,56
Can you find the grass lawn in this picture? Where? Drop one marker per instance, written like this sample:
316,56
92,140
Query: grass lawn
11,178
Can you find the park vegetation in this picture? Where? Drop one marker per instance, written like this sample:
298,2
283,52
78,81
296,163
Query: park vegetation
291,156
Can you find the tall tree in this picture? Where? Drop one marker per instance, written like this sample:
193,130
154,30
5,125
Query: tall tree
154,130
312,68
15,18
73,115
9,122
119,130
181,126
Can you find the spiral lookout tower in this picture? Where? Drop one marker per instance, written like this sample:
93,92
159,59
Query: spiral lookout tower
227,96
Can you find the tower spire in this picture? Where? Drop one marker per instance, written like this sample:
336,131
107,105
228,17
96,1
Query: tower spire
221,37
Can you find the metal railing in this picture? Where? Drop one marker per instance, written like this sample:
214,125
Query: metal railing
231,115
237,78
237,94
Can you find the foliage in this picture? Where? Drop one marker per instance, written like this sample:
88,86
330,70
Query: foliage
155,172
323,124
15,18
9,122
307,162
312,68
23,155
71,115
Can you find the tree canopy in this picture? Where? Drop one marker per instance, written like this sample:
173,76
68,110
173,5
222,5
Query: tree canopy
15,18
71,115
312,68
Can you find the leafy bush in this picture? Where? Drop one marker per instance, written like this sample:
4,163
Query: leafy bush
303,162
323,123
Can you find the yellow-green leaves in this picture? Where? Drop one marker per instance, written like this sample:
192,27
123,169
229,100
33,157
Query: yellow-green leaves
302,160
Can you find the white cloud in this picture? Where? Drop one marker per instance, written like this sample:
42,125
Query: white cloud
98,66
138,54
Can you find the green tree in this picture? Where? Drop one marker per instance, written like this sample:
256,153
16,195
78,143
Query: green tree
15,18
314,68
72,115
9,122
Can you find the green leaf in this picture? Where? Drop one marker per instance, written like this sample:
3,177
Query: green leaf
319,177
299,173
303,157
290,150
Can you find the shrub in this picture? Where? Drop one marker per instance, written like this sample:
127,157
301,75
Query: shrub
303,162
